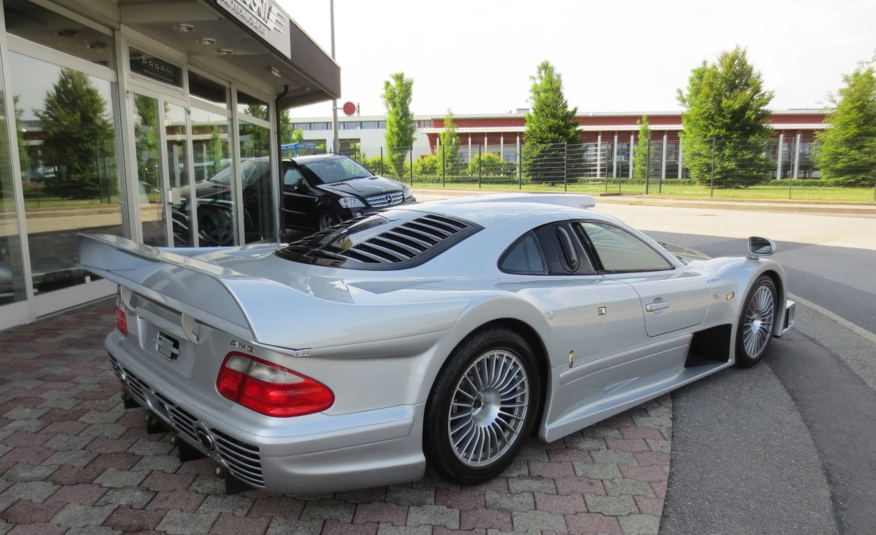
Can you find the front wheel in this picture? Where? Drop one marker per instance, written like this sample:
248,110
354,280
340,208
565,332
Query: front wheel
755,329
482,407
325,220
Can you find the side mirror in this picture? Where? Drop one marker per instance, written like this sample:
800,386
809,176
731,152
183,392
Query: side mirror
758,247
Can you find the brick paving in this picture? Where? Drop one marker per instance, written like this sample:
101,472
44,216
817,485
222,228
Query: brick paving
74,461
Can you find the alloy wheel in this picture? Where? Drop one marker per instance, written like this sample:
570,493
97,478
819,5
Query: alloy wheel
758,326
488,408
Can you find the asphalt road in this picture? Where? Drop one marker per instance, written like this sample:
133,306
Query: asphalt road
788,446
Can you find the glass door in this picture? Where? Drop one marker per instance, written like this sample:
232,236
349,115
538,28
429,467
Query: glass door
161,140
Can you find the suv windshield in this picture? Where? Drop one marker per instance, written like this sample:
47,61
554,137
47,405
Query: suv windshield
252,170
336,169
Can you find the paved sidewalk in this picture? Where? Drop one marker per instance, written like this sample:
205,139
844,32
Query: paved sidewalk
74,461
757,205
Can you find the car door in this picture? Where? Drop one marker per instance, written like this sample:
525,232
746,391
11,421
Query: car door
299,199
672,297
590,318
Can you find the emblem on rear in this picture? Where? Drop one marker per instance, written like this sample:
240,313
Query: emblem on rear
244,347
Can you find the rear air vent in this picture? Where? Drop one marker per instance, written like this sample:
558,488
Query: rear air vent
376,243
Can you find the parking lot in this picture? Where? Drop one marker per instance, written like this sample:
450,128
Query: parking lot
772,449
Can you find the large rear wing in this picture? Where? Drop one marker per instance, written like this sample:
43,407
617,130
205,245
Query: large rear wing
199,289
250,307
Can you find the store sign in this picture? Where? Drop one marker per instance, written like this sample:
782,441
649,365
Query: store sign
266,18
157,69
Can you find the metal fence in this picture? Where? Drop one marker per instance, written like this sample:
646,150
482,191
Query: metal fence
704,168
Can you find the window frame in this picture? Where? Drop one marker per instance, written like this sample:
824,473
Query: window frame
594,254
507,252
553,264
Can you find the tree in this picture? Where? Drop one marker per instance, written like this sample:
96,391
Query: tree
491,164
726,102
256,138
847,151
23,156
549,122
640,153
448,151
287,133
217,152
428,165
297,136
400,127
78,136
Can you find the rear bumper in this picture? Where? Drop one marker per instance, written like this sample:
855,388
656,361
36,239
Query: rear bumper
327,454
787,317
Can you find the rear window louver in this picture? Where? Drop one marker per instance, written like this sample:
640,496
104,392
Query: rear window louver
401,245
406,241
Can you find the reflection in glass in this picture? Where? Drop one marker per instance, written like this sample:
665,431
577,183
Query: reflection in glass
252,106
256,167
213,189
11,274
40,25
178,174
150,189
69,174
203,88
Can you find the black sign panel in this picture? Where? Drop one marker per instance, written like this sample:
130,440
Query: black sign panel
156,69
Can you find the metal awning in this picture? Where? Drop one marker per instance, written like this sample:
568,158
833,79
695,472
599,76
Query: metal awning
265,43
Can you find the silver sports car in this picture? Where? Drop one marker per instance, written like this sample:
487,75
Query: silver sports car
443,333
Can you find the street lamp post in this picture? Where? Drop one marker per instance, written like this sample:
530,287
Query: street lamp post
335,142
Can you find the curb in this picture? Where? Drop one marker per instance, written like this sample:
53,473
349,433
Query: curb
640,200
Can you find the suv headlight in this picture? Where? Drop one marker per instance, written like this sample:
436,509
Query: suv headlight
351,202
407,191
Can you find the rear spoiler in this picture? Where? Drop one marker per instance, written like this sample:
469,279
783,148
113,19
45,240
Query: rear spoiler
199,289
253,308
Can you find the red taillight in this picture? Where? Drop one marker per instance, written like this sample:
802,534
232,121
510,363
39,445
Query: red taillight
270,389
121,321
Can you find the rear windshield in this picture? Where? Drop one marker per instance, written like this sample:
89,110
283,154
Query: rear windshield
382,241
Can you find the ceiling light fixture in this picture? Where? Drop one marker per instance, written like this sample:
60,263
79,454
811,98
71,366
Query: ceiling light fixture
225,51
96,45
275,71
185,28
67,33
206,41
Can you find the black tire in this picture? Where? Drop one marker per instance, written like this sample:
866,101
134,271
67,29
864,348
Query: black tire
441,455
745,358
325,220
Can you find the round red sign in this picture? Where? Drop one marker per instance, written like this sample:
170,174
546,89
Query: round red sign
349,108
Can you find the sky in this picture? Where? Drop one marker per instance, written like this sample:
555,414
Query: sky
476,56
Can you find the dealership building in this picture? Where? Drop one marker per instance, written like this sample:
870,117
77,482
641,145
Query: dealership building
155,120
610,135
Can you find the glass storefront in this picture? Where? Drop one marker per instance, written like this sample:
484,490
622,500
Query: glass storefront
69,173
11,275
114,136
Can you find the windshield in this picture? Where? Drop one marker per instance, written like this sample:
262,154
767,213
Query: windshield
336,169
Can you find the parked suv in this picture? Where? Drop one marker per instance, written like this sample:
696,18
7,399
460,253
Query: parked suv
318,192
322,190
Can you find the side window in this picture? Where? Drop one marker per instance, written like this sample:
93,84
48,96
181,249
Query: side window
523,257
619,250
292,178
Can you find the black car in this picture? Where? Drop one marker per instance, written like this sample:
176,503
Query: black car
322,190
318,191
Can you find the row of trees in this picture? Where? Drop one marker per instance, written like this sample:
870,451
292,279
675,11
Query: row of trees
726,134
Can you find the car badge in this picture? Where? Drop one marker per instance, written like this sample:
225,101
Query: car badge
571,358
243,346
731,295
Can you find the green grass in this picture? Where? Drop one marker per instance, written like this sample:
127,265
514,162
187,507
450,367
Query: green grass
766,192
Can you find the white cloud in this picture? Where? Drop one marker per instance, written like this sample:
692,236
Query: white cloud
476,56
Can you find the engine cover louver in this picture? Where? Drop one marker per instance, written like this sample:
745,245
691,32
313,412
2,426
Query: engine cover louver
372,242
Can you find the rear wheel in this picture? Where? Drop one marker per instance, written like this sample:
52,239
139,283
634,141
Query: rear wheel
482,407
755,329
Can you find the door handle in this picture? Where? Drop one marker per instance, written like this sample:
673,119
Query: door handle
656,305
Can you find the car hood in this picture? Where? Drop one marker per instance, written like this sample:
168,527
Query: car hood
363,187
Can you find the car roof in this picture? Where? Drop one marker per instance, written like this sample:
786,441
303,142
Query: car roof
316,158
486,210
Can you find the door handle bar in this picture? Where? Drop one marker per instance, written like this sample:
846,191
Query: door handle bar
654,307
